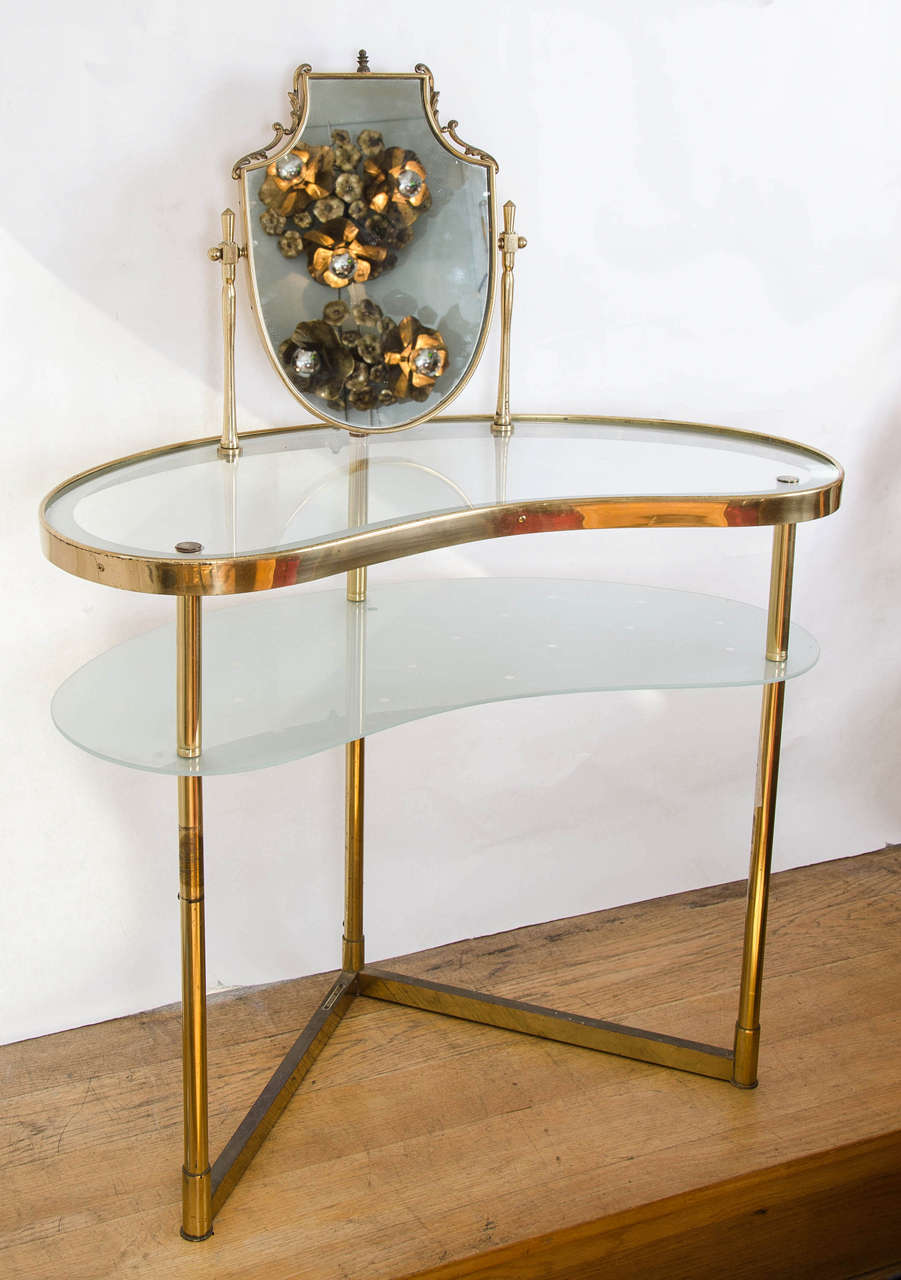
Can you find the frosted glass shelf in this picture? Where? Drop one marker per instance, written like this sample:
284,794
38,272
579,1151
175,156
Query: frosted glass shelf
293,675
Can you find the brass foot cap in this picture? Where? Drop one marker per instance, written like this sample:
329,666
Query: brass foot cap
194,1239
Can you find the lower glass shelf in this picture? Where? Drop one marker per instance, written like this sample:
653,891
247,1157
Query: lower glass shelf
291,676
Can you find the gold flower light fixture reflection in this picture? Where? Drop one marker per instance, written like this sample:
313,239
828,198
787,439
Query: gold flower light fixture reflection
416,356
376,192
337,256
371,363
297,179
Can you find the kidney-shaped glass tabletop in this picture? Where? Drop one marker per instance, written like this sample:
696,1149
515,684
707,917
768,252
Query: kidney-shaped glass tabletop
304,503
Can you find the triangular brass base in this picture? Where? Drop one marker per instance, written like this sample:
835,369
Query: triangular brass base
456,1002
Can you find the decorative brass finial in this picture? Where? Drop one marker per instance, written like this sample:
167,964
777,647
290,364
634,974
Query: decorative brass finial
362,62
508,242
228,252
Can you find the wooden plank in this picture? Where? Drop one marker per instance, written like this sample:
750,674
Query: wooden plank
419,1141
813,1217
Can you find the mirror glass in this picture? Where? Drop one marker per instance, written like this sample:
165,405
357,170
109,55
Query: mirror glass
371,252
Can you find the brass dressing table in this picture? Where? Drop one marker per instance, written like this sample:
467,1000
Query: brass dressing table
369,234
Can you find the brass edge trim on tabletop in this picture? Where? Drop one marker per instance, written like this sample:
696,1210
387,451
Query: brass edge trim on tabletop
284,140
266,570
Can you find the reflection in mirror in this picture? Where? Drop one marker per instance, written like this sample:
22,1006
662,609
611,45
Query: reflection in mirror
370,245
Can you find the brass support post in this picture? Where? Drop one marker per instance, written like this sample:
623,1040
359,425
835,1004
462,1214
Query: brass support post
227,252
501,463
197,1222
355,751
188,666
779,612
747,1026
508,242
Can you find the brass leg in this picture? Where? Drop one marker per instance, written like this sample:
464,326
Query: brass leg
352,941
747,1027
355,751
197,1222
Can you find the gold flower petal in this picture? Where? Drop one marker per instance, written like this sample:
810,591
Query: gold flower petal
321,259
334,312
394,158
349,187
347,157
422,200
402,214
328,209
370,142
367,312
315,236
291,244
272,223
374,252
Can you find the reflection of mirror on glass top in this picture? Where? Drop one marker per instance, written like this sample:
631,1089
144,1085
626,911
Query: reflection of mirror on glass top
370,245
369,233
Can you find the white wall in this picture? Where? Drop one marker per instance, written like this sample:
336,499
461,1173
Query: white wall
726,175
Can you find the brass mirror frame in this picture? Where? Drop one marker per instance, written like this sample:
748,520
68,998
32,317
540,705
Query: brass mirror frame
285,138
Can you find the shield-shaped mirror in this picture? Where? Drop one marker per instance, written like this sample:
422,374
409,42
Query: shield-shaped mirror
370,234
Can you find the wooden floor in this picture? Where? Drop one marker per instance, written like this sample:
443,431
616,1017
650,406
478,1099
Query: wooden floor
429,1146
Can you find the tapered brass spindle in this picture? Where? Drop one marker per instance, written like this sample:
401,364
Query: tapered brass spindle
197,1222
508,243
227,252
747,1027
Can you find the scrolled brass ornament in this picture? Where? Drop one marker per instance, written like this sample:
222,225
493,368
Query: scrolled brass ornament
374,192
372,363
